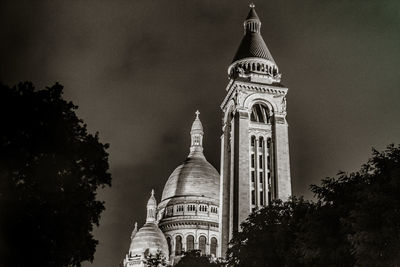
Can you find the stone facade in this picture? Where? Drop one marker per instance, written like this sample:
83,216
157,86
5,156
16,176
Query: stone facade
255,166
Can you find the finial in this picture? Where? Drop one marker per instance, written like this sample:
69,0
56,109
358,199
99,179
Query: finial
197,114
152,192
252,5
134,231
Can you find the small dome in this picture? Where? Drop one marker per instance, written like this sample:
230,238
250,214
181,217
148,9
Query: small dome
197,126
195,177
149,239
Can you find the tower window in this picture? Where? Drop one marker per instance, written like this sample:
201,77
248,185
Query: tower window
261,197
252,176
253,140
260,113
252,160
253,197
261,161
261,142
261,177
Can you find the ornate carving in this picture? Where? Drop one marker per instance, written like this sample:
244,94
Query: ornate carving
280,120
283,104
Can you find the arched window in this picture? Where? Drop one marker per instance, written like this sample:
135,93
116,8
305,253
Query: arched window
169,245
253,140
259,113
202,245
178,245
213,246
253,197
261,142
189,243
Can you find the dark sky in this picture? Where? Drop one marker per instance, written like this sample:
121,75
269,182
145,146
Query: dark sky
139,70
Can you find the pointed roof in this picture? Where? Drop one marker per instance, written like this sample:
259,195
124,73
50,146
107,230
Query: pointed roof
152,200
252,14
252,44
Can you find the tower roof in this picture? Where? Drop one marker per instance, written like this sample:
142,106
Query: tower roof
252,14
252,44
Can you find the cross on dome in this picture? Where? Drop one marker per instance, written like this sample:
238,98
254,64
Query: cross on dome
197,114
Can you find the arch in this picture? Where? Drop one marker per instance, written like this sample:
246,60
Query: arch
189,243
260,113
178,245
229,109
213,246
253,141
259,98
202,244
261,142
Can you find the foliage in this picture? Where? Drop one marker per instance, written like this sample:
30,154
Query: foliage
155,260
355,221
267,235
194,258
50,169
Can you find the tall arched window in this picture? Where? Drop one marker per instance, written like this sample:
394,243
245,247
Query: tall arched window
202,244
259,113
253,140
189,243
213,246
178,245
169,245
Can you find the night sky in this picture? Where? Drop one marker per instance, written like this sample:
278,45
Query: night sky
140,69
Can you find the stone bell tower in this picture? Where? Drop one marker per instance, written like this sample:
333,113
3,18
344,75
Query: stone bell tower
255,165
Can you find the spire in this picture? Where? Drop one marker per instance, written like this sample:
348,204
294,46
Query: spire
151,208
252,22
196,147
134,231
253,57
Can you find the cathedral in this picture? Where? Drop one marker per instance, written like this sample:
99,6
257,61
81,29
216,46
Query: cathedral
200,209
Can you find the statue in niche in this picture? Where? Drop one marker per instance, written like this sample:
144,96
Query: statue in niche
283,104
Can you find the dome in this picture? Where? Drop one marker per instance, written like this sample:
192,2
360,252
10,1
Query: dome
149,238
195,177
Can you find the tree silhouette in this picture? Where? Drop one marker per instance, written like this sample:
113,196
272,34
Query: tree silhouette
355,221
194,258
50,169
155,260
